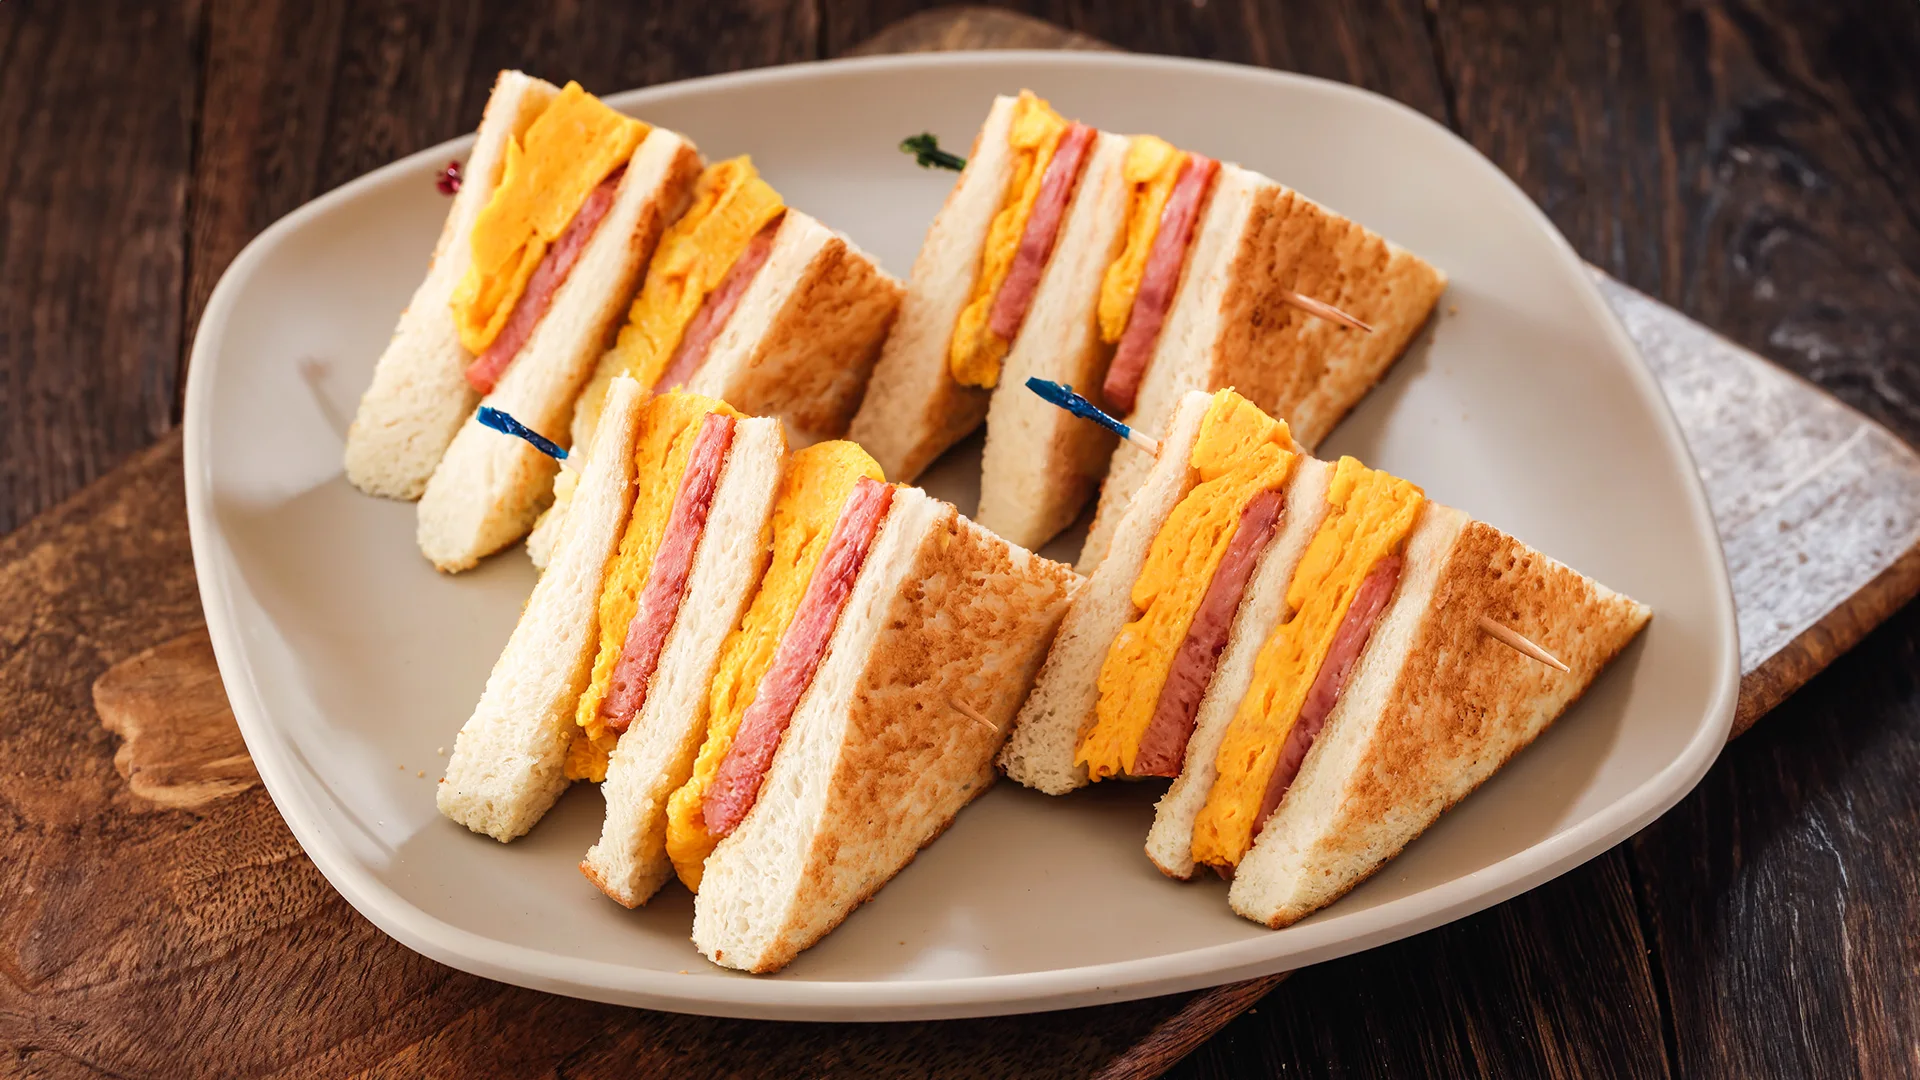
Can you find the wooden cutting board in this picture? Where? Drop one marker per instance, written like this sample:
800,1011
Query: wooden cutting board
156,907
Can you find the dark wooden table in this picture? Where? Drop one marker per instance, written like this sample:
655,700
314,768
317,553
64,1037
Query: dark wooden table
1753,165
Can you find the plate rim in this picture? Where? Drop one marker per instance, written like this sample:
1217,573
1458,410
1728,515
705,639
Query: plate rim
715,992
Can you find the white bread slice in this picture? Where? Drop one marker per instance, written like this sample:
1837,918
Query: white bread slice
655,755
546,528
1170,840
488,489
1231,327
1040,751
1042,463
945,617
802,344
1434,707
914,410
419,395
509,760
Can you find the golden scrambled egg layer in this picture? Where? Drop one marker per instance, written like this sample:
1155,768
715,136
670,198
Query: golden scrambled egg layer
817,483
669,425
1369,515
1240,453
1152,168
731,203
574,144
975,353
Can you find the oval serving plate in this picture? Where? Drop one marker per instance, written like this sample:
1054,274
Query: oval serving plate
351,663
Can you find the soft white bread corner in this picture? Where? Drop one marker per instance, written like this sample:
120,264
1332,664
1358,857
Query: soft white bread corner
802,344
945,620
913,409
1181,358
1040,750
1304,369
546,528
655,755
1042,463
1435,706
1170,839
489,488
509,760
419,395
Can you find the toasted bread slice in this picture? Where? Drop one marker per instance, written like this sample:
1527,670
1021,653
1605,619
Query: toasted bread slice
1230,326
655,754
914,409
509,760
487,490
419,396
945,620
1434,707
1041,463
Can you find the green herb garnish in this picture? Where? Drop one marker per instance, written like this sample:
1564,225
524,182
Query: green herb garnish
926,150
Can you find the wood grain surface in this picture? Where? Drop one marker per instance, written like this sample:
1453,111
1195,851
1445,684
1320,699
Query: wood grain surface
1749,163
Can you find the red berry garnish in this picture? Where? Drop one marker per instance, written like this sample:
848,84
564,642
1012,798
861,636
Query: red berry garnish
449,179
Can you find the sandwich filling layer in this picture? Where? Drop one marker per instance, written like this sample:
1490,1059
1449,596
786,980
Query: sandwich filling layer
486,369
736,784
667,580
1239,455
1170,190
549,176
669,428
731,206
1369,516
1034,136
818,482
1163,747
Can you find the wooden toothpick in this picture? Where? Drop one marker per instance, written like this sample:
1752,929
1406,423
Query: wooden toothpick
973,714
1512,638
1325,311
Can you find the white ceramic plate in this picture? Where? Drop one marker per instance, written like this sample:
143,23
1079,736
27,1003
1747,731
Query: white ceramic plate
350,662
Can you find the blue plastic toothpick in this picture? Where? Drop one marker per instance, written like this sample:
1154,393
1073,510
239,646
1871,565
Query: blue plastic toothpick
1064,397
504,423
